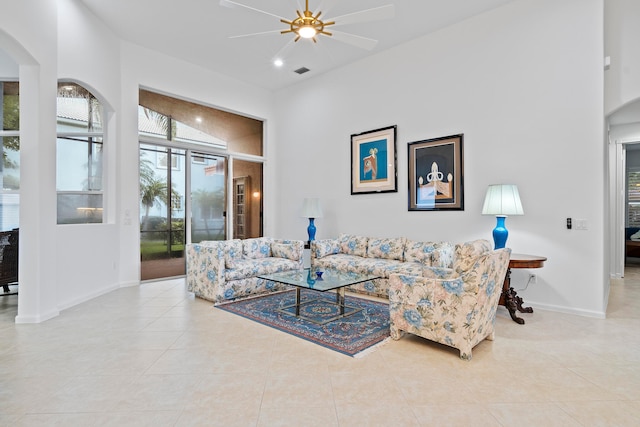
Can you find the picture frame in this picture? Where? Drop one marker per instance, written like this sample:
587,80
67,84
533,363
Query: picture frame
436,175
374,162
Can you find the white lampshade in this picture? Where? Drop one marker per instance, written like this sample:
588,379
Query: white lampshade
502,199
311,208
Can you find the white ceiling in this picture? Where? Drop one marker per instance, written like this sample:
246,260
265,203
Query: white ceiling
198,31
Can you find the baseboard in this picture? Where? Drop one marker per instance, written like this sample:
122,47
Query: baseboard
38,318
88,297
567,310
72,303
130,284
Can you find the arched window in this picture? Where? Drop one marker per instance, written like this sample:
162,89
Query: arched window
79,155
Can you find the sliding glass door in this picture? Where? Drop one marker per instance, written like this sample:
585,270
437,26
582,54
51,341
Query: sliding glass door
191,155
181,194
162,211
207,189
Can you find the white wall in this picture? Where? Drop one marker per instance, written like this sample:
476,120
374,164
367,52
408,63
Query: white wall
8,67
524,83
626,133
87,254
622,80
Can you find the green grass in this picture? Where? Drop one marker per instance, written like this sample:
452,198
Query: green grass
156,250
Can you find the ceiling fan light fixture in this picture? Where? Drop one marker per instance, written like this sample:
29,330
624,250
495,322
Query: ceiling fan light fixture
306,25
307,32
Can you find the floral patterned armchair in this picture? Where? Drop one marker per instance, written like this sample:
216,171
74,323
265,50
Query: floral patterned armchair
458,309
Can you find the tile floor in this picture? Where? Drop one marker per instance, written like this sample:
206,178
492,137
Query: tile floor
154,356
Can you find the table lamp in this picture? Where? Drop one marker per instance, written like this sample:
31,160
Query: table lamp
502,200
311,209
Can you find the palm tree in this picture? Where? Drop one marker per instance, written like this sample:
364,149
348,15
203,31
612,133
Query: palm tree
153,191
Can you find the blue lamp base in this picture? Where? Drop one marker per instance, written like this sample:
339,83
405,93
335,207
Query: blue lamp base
500,233
311,229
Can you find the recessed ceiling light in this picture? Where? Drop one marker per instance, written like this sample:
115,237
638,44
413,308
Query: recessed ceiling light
278,62
199,119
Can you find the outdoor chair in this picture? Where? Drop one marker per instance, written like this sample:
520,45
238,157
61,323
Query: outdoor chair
8,260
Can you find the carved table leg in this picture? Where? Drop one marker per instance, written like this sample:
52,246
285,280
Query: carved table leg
509,300
511,304
519,302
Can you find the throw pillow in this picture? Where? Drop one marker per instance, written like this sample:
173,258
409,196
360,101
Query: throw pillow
467,253
324,247
232,252
353,245
284,250
443,255
419,252
386,248
259,247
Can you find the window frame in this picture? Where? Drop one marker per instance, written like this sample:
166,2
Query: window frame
88,137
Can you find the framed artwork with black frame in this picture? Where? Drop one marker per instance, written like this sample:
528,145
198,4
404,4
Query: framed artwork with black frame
436,174
374,161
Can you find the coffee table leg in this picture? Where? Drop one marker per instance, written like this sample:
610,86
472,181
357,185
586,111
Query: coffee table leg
340,299
297,301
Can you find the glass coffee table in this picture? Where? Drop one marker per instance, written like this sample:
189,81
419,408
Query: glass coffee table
327,280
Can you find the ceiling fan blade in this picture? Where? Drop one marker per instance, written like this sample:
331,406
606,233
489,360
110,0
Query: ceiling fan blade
229,3
262,33
368,15
352,39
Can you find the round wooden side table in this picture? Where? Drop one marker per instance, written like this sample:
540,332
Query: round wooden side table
509,297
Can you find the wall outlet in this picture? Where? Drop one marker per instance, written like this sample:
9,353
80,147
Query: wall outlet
533,279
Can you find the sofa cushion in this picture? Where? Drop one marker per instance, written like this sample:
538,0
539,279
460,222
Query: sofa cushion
443,255
285,250
247,268
385,267
386,248
256,248
232,252
322,248
342,262
467,253
410,268
421,252
353,245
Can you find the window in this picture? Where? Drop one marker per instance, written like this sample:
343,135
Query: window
633,199
10,149
79,155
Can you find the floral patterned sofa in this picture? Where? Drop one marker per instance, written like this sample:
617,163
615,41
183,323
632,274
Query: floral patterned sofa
382,257
457,310
221,271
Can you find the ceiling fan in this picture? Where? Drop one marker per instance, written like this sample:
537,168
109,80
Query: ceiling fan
308,25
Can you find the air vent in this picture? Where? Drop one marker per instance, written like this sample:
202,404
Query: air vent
301,70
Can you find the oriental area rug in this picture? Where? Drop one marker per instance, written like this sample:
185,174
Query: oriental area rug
354,335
